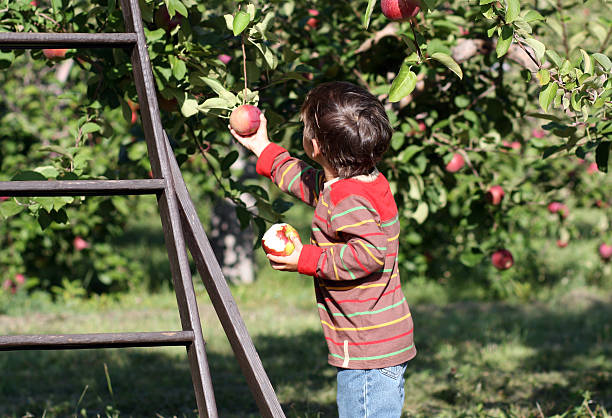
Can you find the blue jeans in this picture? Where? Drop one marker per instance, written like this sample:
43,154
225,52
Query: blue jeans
374,393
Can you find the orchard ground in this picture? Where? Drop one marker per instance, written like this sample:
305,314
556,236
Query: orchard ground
545,356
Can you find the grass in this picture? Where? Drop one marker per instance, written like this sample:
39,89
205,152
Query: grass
476,359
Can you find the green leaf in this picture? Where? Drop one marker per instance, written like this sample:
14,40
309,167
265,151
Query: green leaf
504,41
241,21
513,10
449,62
586,59
547,95
29,176
229,159
537,46
214,103
554,57
602,156
421,212
189,107
281,206
368,14
403,85
471,257
90,127
603,60
532,16
10,208
179,69
543,76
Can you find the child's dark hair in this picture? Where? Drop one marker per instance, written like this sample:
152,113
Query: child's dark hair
350,125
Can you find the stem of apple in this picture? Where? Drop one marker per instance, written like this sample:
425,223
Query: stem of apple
416,43
244,69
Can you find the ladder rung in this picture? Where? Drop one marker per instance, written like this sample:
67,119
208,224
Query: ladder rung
22,40
108,340
81,187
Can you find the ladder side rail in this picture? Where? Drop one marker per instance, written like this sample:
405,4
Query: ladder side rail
171,222
222,299
40,40
81,187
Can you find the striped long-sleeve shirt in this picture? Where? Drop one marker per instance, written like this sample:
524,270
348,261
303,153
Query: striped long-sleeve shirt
352,256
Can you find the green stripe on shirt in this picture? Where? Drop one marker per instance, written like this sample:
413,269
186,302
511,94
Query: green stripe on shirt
320,305
297,176
342,259
352,210
391,222
374,357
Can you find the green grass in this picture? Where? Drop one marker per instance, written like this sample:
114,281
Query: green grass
476,359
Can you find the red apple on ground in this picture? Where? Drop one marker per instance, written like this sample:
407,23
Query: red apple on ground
399,9
278,239
3,198
455,164
80,244
55,54
245,120
562,244
162,19
502,259
495,195
605,251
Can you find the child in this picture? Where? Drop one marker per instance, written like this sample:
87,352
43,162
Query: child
354,243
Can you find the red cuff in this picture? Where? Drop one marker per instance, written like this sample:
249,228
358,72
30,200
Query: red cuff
266,159
309,259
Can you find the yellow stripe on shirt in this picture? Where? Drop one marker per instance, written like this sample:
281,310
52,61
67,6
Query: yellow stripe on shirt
285,172
357,224
385,324
371,255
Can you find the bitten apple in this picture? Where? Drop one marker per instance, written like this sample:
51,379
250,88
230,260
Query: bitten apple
495,195
502,259
54,54
278,239
455,164
245,120
399,9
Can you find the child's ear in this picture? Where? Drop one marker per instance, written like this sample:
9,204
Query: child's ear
316,148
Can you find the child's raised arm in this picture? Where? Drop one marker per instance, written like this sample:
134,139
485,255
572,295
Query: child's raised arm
256,142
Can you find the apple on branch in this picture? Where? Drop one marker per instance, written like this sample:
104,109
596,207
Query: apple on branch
502,259
400,10
605,251
245,120
456,163
495,195
278,240
55,54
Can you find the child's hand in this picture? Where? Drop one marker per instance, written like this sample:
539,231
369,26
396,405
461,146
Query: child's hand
256,142
290,262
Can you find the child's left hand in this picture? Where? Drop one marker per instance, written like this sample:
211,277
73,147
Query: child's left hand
290,262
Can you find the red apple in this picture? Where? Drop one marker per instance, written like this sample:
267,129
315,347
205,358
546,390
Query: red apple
538,133
502,259
312,23
399,9
162,19
34,3
495,195
278,239
562,244
554,207
245,120
605,251
80,244
55,54
134,108
455,164
19,278
224,58
3,198
592,168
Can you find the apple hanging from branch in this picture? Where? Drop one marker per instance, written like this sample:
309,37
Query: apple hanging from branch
245,119
400,10
502,259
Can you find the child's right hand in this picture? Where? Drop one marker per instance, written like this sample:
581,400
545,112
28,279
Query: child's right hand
256,142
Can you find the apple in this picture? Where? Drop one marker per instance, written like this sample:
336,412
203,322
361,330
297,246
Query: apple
455,164
538,133
162,19
399,9
592,168
278,239
245,120
55,54
134,108
605,251
562,244
80,244
224,58
554,207
502,259
312,22
495,195
3,198
33,3
19,278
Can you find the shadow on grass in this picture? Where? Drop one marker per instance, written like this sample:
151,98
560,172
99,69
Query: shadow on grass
500,356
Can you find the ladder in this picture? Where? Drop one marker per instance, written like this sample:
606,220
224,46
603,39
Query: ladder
180,223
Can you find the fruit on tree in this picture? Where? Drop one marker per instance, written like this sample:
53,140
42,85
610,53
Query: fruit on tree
134,108
605,251
55,54
558,207
502,259
312,21
399,9
278,239
224,58
495,195
592,168
163,20
456,163
80,244
245,120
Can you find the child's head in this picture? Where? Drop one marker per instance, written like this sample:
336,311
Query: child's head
350,125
